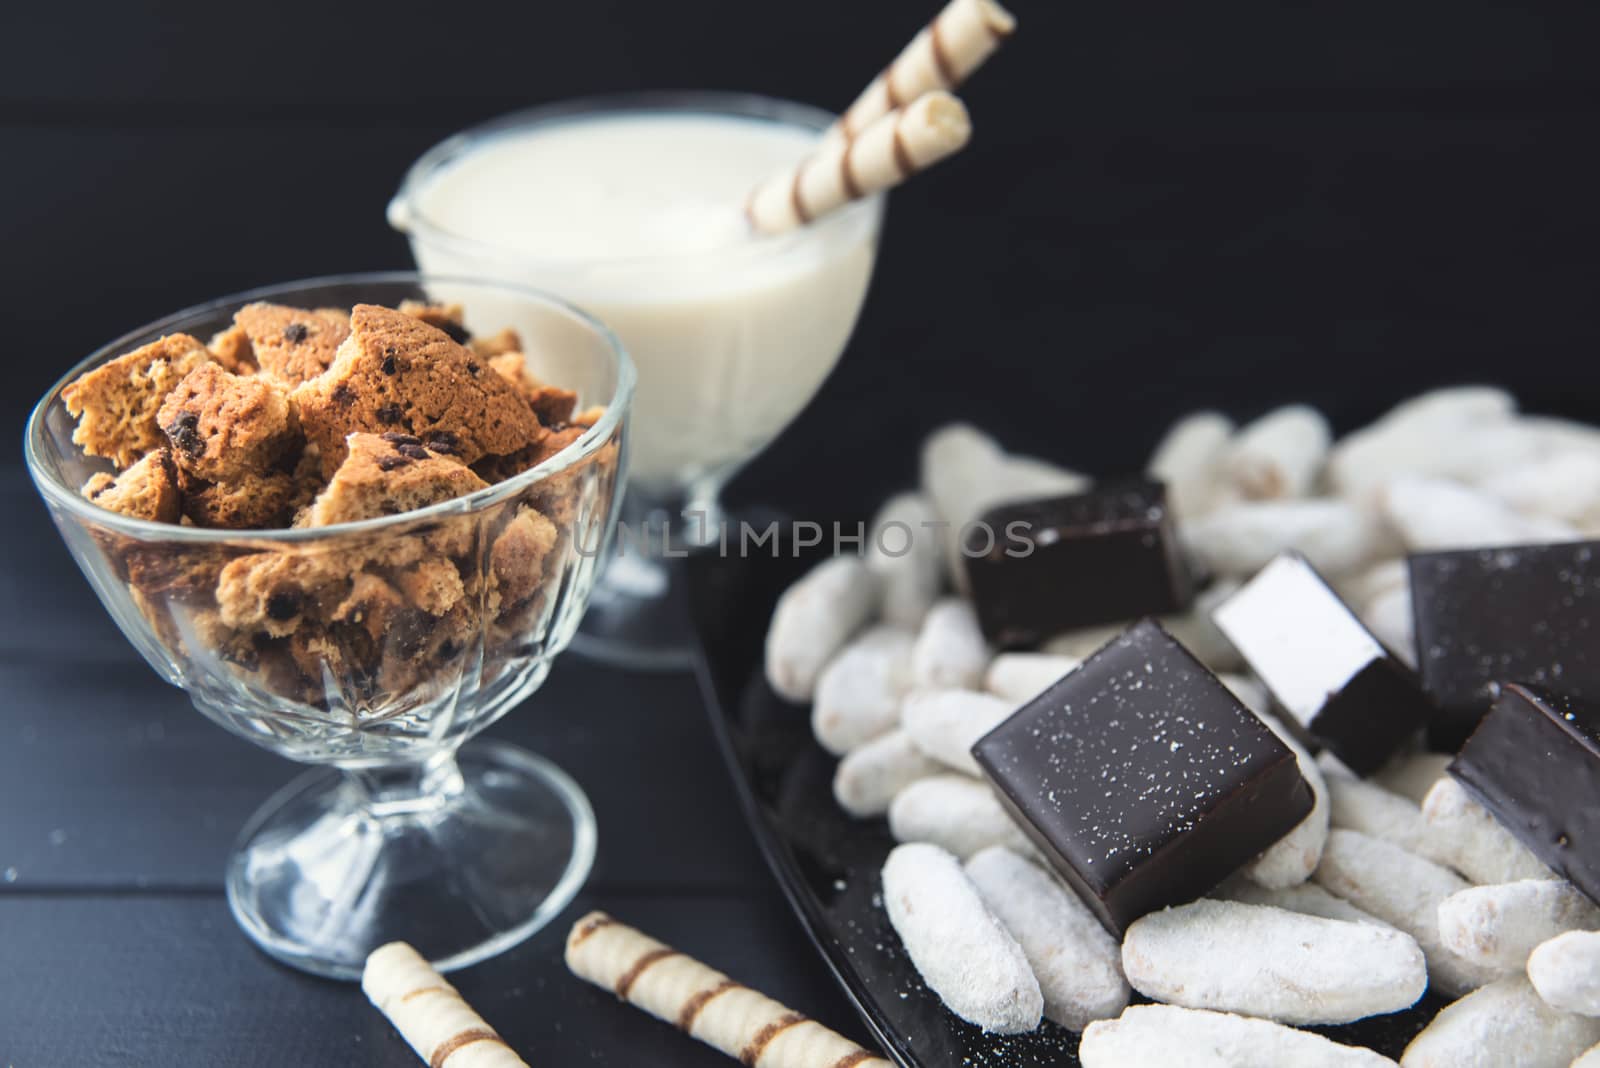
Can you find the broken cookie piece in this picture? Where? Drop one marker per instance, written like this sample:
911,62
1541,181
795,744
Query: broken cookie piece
433,585
147,490
451,318
372,605
116,403
292,345
519,552
248,501
386,474
231,348
506,340
396,373
552,404
500,468
224,426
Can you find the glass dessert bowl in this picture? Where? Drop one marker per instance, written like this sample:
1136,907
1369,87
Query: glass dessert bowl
632,206
376,648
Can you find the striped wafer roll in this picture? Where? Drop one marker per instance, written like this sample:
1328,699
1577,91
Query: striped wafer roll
430,1014
945,54
890,150
703,1002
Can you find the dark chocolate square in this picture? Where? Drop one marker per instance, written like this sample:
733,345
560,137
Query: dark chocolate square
1337,682
1038,568
1534,762
1142,779
1484,617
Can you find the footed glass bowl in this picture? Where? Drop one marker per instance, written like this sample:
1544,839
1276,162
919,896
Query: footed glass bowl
316,644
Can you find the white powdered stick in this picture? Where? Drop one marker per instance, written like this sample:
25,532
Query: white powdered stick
1503,1025
1499,925
1564,486
955,813
868,778
1278,455
904,551
1197,633
1240,539
950,650
959,948
1433,514
1591,1059
430,1014
702,1002
1359,589
1362,805
1566,972
1421,436
1189,460
965,473
945,54
1078,964
1272,963
858,694
1082,643
813,620
1021,677
1404,891
946,724
891,149
1032,477
1167,1036
1193,629
1291,859
1472,841
1307,898
1388,616
961,466
1558,436
1251,694
959,463
1412,775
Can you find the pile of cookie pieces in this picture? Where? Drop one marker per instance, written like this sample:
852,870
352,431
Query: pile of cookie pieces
1285,732
309,418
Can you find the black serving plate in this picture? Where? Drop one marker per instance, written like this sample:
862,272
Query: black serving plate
827,864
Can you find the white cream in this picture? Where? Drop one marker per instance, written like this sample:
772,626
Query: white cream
638,218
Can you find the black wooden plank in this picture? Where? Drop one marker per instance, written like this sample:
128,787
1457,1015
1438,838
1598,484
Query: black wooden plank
106,981
47,609
112,779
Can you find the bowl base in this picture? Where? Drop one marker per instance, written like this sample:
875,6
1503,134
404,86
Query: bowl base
487,852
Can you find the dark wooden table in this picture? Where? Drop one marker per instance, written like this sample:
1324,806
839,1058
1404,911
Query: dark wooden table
119,802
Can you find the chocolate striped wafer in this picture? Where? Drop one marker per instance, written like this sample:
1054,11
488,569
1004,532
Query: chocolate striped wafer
703,1002
943,55
430,1014
890,150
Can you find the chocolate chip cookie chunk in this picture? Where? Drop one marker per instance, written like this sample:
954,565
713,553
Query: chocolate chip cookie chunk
147,490
292,345
386,474
224,426
116,403
396,373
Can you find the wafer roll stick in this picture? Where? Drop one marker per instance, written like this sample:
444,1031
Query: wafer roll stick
430,1014
890,150
704,1003
946,53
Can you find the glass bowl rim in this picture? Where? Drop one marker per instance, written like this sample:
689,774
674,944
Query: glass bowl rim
406,216
72,500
